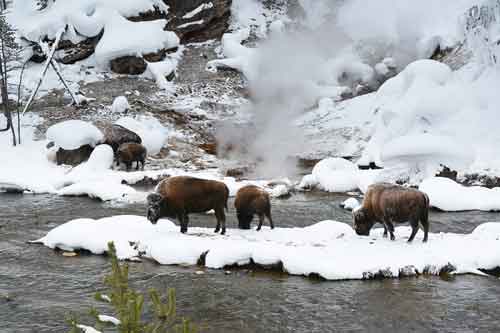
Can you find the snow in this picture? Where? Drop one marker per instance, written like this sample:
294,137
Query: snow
108,319
199,9
120,105
320,248
350,204
126,38
188,24
72,134
153,134
333,175
448,195
87,329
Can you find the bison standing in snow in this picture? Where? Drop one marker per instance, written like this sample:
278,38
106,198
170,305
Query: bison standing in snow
131,152
252,200
176,197
388,204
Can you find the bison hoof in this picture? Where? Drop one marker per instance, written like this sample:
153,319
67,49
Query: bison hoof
393,238
223,232
384,235
217,230
184,230
258,229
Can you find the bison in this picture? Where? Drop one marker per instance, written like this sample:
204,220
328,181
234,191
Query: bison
388,204
252,200
176,197
131,152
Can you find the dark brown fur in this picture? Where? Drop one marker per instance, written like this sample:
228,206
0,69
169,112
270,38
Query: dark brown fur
388,204
131,152
179,196
251,200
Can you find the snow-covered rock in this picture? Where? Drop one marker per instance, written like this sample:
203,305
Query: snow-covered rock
350,204
151,131
72,134
330,249
448,195
120,105
332,175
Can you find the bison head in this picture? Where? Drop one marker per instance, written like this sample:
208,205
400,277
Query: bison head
154,207
244,220
362,222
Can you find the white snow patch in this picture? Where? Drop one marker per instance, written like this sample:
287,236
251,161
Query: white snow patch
448,195
72,134
199,9
333,175
321,248
87,329
350,204
120,105
108,319
188,24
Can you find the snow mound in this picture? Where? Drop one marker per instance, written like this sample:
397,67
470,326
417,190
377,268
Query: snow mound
120,105
333,175
72,134
350,204
448,195
153,134
330,249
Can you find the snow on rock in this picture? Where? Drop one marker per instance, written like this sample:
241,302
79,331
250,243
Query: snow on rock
126,38
109,319
72,134
279,191
330,249
350,204
153,134
197,10
333,175
238,57
120,105
448,195
87,329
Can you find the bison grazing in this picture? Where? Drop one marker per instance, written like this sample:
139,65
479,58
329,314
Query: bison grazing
131,152
176,197
252,200
388,204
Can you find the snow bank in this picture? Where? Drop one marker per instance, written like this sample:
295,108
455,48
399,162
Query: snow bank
330,249
448,195
151,131
332,175
72,134
350,204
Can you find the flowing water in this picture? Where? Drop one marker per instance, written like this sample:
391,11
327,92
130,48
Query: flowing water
39,287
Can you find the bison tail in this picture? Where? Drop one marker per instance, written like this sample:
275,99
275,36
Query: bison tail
226,197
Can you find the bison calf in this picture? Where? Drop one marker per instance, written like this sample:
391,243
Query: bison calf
388,204
176,197
131,152
252,200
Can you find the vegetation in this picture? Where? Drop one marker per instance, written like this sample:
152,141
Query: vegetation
129,304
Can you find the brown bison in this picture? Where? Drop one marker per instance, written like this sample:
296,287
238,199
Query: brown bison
388,204
131,152
176,197
252,200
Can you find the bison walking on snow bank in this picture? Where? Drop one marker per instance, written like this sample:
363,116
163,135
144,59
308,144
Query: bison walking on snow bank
176,197
389,204
252,200
131,152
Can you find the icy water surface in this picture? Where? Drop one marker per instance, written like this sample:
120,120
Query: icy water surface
43,286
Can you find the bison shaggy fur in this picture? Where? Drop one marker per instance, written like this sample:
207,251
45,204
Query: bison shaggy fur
251,200
131,152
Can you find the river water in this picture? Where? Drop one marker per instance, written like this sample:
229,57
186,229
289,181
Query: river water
39,287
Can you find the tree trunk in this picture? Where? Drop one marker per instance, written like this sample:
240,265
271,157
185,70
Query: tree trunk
5,93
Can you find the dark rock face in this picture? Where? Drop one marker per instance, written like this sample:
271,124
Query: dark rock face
447,173
115,135
128,65
69,53
215,19
75,156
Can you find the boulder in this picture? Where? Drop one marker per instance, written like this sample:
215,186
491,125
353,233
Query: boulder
69,53
75,156
115,135
131,65
192,25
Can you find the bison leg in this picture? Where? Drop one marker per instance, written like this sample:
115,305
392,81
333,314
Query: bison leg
414,230
137,165
221,220
184,220
425,225
390,226
261,220
385,231
142,164
128,165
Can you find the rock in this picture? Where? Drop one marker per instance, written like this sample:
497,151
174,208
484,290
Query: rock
69,254
69,53
209,148
115,135
75,156
237,172
38,56
131,65
191,26
199,272
447,173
